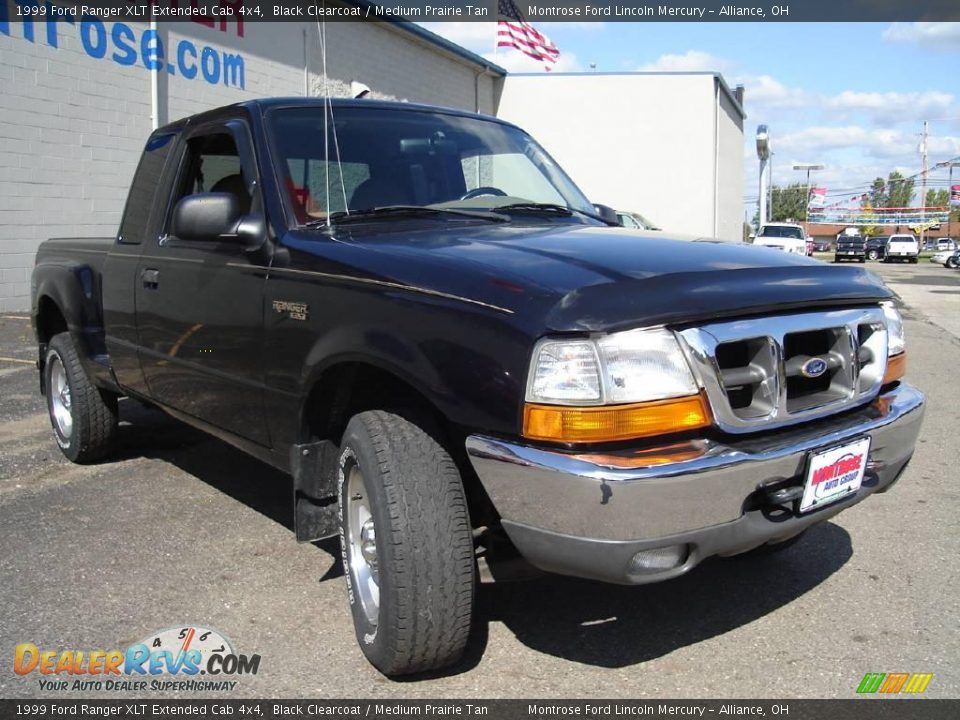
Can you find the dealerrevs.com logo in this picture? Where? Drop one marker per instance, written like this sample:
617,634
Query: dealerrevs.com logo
172,659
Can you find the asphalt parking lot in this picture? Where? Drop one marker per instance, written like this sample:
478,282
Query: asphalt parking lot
182,529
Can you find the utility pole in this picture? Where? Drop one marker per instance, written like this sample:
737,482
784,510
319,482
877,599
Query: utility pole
923,185
806,212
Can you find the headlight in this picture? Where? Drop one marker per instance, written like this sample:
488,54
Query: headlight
565,372
616,387
644,365
896,345
895,339
633,366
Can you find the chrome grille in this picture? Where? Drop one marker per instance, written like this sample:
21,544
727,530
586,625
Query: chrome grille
780,370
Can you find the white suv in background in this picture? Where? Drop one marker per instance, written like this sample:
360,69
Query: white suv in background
782,236
902,247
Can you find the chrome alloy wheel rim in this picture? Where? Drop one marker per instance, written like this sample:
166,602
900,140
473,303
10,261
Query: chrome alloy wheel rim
362,546
60,400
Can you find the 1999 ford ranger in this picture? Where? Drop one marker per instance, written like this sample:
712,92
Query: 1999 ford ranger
416,314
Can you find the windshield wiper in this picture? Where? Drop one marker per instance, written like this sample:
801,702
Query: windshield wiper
387,211
562,210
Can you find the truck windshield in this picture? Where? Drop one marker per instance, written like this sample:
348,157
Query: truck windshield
778,231
414,158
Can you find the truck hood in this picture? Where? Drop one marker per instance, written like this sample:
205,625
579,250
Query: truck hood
576,278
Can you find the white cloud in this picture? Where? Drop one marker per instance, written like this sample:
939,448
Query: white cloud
763,90
890,107
937,34
817,141
479,37
690,61
516,61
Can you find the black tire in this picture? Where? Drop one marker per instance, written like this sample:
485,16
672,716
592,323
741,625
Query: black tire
951,262
424,564
913,261
87,428
862,260
873,255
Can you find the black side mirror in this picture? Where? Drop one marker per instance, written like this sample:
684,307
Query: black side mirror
607,213
205,216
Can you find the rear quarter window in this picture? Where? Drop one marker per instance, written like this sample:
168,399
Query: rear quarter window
143,189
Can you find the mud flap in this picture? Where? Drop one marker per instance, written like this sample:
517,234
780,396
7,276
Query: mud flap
314,467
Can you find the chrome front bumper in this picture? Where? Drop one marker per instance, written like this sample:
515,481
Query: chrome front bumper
586,514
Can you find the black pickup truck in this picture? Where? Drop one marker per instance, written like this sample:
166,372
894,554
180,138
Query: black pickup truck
416,314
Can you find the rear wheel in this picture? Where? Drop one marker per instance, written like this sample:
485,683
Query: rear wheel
407,545
84,418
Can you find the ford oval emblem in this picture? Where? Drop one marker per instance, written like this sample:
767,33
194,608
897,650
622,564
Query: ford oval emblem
813,368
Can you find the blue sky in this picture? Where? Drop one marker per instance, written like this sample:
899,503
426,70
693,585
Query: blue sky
850,96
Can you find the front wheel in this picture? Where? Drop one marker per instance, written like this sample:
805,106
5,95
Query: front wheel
407,545
873,255
84,418
951,262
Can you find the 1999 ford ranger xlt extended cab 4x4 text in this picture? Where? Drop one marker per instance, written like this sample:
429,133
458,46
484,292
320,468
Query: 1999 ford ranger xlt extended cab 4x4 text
415,313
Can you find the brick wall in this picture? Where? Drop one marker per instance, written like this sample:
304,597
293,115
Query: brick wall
73,118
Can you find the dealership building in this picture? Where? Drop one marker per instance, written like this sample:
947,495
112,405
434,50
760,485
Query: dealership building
78,99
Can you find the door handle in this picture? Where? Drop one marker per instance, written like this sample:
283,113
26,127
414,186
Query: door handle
150,278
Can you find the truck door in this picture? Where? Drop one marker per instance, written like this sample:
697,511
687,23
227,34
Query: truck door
120,267
200,304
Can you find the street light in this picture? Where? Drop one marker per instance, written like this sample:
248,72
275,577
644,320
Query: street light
763,154
808,167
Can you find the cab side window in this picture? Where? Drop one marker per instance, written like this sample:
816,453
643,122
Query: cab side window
212,164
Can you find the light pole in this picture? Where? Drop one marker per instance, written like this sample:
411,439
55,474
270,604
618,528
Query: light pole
808,167
763,153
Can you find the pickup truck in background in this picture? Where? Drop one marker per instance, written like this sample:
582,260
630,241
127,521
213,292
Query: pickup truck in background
902,247
456,356
851,245
788,237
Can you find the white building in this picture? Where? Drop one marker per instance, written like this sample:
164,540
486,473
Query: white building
77,101
666,145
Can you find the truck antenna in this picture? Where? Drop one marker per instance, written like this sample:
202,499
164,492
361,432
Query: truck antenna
328,121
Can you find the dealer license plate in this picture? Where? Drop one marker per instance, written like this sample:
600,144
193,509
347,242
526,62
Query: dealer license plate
835,473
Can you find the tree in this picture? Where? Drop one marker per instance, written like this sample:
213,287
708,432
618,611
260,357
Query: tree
878,194
899,191
789,203
937,198
941,198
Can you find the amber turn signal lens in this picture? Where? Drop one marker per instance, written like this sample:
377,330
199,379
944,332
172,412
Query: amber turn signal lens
614,422
896,368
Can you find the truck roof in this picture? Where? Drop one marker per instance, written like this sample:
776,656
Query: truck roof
264,104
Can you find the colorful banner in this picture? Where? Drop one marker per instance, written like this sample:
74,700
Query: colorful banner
837,215
818,198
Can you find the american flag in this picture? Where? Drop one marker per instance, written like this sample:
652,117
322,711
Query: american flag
514,31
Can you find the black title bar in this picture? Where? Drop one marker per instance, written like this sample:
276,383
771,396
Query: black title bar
205,11
860,709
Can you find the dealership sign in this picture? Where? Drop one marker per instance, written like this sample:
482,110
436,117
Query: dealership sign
130,45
